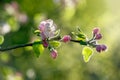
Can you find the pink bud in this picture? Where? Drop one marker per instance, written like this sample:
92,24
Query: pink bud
98,36
45,43
104,47
98,48
66,38
54,54
96,31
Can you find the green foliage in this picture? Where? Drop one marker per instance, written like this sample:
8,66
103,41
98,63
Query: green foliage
87,53
38,48
1,39
37,32
13,23
80,36
54,44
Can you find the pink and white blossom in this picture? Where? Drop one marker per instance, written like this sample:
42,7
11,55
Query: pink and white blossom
47,29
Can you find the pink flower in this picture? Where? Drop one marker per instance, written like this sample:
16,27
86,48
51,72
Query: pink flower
54,54
96,31
47,29
66,38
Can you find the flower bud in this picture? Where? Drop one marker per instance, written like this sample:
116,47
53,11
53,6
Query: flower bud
66,38
98,48
104,47
98,36
96,31
54,54
45,43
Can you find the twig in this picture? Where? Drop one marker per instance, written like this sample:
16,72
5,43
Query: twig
29,44
17,46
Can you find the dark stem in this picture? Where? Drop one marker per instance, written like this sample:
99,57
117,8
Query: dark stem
29,44
77,41
17,46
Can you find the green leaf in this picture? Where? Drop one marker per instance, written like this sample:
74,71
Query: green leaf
80,36
54,44
87,53
37,32
1,39
38,48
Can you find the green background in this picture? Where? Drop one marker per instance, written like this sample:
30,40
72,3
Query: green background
21,63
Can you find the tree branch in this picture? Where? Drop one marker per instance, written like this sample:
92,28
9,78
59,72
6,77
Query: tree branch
17,46
25,45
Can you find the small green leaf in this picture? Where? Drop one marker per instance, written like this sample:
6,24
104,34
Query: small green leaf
37,32
38,48
1,39
54,44
81,36
87,53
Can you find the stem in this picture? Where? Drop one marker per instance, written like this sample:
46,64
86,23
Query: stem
29,44
17,46
77,41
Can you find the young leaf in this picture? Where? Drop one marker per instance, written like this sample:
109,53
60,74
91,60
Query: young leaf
80,36
54,44
37,32
38,48
1,39
87,53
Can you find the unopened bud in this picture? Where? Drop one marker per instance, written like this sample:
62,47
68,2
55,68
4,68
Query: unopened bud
104,47
45,43
54,54
98,48
66,38
96,31
98,36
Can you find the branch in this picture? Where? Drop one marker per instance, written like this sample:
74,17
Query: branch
17,46
25,45
77,41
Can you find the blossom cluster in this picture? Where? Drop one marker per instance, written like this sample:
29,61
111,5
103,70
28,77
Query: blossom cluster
48,31
98,36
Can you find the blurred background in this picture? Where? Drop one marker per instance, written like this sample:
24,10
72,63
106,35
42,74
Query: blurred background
19,19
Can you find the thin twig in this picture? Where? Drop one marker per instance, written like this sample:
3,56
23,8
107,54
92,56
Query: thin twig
17,46
77,41
29,44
